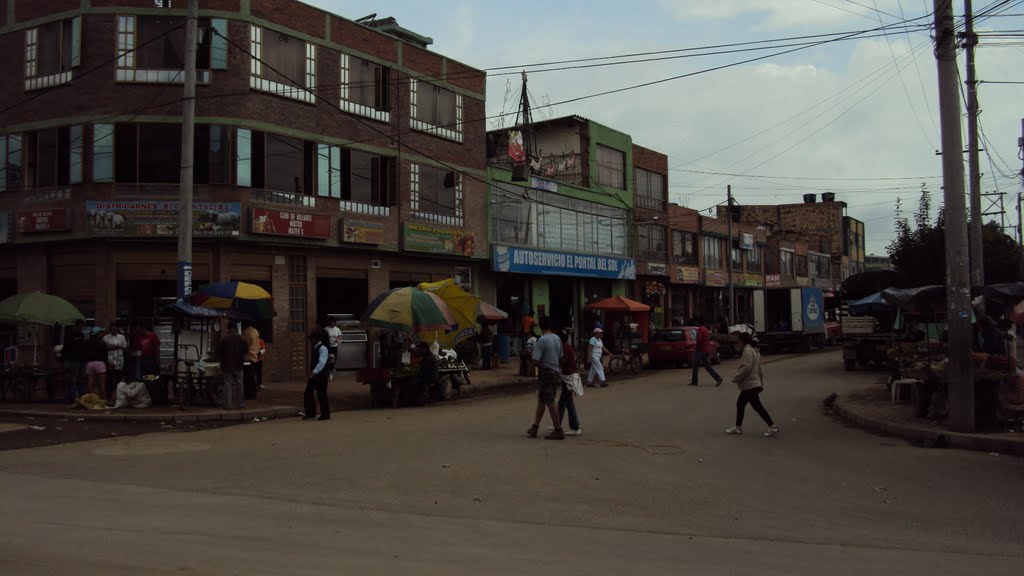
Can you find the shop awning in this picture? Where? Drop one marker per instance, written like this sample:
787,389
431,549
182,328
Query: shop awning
618,304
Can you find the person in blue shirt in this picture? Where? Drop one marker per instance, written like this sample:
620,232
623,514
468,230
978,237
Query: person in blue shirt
318,377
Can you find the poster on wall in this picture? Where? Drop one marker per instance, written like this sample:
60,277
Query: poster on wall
160,218
746,241
657,269
54,220
687,275
296,224
438,240
362,232
772,280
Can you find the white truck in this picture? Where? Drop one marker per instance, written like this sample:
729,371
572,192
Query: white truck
790,318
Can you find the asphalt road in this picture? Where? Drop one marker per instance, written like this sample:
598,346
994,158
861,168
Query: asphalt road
652,487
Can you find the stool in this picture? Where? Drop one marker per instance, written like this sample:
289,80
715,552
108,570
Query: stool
903,390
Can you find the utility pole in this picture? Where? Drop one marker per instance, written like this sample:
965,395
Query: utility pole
732,289
975,235
1020,225
960,374
188,130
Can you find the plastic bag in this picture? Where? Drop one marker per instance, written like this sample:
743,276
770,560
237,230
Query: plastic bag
133,394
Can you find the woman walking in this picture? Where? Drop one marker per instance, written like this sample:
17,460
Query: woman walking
567,400
595,349
750,380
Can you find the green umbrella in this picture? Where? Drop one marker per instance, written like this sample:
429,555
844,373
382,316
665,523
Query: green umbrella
38,308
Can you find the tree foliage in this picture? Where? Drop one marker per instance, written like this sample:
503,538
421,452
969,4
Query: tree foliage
919,253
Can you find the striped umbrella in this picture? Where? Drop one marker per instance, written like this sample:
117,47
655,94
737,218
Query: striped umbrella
409,309
248,299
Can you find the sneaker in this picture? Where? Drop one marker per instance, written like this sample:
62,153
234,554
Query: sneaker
772,431
532,432
718,382
576,432
556,435
734,431
604,384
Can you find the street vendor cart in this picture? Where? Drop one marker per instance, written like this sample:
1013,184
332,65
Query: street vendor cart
195,373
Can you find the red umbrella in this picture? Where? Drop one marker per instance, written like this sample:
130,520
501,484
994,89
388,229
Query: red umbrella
618,304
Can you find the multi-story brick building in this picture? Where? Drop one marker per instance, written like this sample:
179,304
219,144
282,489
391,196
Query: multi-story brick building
744,253
652,237
687,262
334,159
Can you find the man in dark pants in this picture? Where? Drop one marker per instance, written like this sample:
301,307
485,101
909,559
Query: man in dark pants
73,355
318,377
702,353
486,344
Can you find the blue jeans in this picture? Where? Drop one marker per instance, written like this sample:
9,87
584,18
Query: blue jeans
72,378
702,359
566,401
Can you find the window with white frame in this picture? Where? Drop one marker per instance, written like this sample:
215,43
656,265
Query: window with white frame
611,167
436,194
364,182
754,260
365,88
282,65
435,110
650,190
713,253
52,50
151,49
46,158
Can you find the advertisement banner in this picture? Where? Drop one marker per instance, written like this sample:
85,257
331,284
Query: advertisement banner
54,220
715,278
657,269
532,261
284,223
5,227
362,232
802,281
438,240
750,280
160,218
772,280
746,241
814,310
687,275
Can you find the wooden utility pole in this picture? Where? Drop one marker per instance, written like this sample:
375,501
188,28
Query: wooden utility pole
188,130
973,162
960,373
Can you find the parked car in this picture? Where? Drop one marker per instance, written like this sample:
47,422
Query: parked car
675,347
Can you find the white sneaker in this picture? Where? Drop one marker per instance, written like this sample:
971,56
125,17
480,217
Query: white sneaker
734,431
576,432
772,431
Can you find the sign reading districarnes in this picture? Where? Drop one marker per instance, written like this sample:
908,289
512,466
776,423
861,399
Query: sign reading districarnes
160,218
532,261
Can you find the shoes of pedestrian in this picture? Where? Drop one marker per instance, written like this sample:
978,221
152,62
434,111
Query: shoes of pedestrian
324,418
604,384
718,382
532,432
307,416
772,431
734,431
693,383
576,432
556,434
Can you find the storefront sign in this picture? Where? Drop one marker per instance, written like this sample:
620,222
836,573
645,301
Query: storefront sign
160,218
543,184
299,224
362,232
823,283
747,241
802,281
438,240
657,269
749,280
531,261
55,220
5,227
772,280
716,278
687,275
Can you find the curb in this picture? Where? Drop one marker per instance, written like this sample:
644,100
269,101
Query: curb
271,413
927,437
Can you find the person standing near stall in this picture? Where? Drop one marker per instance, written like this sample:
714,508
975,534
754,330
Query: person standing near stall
333,340
595,350
251,336
318,378
116,345
486,344
231,352
95,356
73,355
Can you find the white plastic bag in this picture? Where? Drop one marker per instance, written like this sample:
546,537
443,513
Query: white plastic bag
133,394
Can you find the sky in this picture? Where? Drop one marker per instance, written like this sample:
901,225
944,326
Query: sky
857,117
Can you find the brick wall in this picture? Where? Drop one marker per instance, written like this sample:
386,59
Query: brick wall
25,10
363,39
650,160
422,61
294,15
818,224
465,77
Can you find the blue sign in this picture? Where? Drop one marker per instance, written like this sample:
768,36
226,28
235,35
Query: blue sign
814,310
532,261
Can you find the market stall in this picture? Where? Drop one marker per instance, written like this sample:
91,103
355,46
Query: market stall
30,311
196,371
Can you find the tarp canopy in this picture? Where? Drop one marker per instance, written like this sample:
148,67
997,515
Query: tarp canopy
922,300
618,304
1008,293
867,283
872,304
193,311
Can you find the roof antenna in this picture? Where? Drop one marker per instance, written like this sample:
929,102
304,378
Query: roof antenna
367,19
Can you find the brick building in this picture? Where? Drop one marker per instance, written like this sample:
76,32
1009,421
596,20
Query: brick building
745,252
334,159
687,262
652,242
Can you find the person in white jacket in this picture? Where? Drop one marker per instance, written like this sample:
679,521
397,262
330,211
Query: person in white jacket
749,379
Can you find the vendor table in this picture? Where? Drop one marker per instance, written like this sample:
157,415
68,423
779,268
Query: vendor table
22,385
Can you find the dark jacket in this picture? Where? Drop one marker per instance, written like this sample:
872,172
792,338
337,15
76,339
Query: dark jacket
74,347
429,369
231,352
94,350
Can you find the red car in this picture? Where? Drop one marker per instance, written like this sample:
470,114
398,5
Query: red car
675,346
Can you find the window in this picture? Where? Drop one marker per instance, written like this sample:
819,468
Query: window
147,153
273,162
10,162
801,265
51,51
211,155
297,280
650,242
684,247
754,260
650,190
737,259
435,110
103,153
712,253
52,157
611,167
786,263
282,65
438,192
354,176
365,88
151,49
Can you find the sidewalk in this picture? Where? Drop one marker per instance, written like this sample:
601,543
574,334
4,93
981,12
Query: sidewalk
871,408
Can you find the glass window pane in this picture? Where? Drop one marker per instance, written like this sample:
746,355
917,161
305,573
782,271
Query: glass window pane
285,59
14,167
75,159
159,153
323,170
46,158
218,154
161,42
283,164
243,159
361,177
336,172
103,153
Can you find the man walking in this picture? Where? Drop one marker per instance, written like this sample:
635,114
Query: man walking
231,352
547,352
702,353
333,339
318,376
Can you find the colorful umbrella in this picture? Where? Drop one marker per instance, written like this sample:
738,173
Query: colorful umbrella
465,307
618,304
38,308
409,309
248,299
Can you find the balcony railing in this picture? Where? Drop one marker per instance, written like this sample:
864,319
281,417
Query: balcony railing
283,198
648,203
567,168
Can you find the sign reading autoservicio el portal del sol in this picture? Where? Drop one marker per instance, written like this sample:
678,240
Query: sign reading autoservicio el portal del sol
532,261
438,239
52,220
285,223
